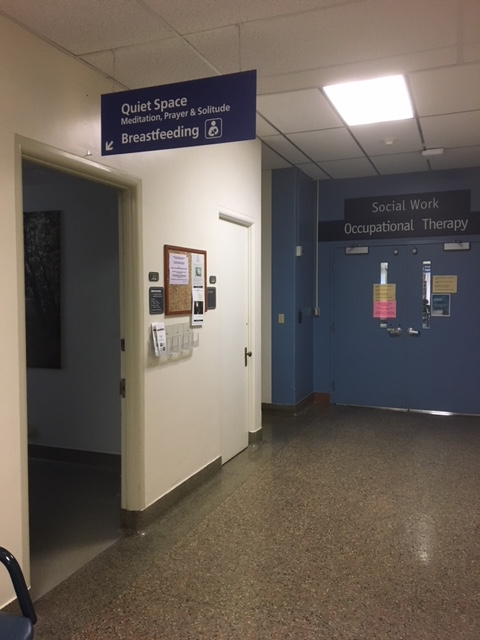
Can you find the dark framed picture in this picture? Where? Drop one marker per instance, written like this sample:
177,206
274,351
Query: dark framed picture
42,254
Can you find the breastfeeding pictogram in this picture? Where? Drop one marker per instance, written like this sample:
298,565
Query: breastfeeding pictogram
213,128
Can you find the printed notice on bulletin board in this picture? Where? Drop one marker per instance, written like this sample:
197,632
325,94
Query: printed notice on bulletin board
198,288
185,276
178,272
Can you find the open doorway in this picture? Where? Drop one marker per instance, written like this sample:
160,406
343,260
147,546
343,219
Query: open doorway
72,301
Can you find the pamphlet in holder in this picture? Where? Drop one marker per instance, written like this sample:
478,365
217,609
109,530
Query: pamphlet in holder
190,340
175,342
180,338
159,339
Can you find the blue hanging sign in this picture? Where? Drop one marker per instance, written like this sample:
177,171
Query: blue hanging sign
186,114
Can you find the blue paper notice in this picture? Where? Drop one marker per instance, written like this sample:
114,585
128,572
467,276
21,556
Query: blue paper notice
207,111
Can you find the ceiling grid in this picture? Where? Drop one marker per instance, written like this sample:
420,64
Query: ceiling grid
297,47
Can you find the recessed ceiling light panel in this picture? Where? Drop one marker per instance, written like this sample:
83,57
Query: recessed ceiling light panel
369,101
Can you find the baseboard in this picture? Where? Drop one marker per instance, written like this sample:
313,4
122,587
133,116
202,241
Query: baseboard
75,456
289,409
255,436
137,520
321,398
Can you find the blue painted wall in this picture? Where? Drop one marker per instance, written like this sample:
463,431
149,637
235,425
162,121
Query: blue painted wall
301,359
293,285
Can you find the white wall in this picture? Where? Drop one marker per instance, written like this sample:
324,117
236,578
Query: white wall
78,405
267,287
51,98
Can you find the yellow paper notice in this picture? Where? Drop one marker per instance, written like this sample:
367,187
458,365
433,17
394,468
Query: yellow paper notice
384,292
444,284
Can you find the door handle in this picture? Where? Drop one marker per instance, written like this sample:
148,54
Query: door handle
393,333
248,354
412,332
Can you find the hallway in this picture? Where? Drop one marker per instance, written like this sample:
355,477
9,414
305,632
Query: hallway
343,523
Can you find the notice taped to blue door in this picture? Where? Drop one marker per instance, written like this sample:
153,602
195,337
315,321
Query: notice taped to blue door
441,304
186,114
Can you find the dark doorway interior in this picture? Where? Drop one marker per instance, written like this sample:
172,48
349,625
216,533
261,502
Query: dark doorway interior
74,422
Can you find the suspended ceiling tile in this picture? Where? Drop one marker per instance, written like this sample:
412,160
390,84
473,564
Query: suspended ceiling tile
329,144
297,48
457,158
298,111
220,47
352,168
285,148
446,90
403,134
454,130
103,60
158,63
471,52
400,163
324,75
85,26
470,20
187,16
357,31
271,160
264,128
313,171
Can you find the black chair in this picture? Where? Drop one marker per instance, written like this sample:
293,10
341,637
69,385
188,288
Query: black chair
17,627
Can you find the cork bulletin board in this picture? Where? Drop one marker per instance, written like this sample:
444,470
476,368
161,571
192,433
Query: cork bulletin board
178,279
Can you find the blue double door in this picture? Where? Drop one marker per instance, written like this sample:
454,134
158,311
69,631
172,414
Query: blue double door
406,328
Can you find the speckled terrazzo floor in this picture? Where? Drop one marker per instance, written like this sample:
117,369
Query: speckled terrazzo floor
343,523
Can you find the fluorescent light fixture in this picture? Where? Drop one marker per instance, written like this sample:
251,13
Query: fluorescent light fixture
368,101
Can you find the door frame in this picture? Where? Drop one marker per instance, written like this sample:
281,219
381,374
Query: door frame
131,305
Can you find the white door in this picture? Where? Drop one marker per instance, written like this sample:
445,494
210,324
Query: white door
232,305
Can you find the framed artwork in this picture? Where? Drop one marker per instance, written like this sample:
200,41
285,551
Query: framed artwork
42,257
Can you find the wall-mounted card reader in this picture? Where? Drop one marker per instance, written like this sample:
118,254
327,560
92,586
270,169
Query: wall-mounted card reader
211,297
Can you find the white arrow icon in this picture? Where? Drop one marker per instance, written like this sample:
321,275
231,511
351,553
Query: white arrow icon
109,145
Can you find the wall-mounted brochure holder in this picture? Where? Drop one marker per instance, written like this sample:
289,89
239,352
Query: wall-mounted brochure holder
173,339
